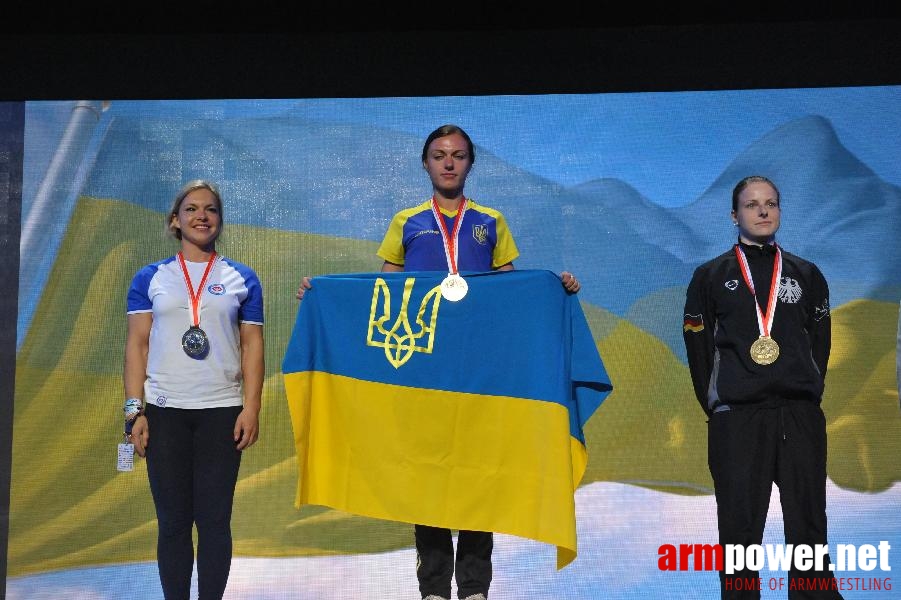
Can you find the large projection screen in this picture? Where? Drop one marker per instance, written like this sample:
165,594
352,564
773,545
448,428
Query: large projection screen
629,188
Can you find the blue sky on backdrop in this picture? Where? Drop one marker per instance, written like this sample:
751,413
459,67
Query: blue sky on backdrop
658,142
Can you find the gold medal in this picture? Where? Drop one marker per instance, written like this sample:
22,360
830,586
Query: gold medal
454,287
764,350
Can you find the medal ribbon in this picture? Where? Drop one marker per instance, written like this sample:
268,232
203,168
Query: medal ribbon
195,298
450,239
764,321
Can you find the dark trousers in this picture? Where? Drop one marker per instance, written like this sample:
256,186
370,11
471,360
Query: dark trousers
192,465
435,563
750,448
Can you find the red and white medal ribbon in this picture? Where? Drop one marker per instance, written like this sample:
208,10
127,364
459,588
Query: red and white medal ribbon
450,238
195,297
764,320
454,287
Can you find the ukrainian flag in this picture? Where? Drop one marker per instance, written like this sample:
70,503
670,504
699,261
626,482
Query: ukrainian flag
466,415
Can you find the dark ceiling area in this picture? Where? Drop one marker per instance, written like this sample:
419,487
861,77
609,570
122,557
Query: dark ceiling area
287,50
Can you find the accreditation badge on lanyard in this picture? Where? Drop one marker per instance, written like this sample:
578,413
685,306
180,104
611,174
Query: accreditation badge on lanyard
125,460
126,454
195,342
764,350
454,287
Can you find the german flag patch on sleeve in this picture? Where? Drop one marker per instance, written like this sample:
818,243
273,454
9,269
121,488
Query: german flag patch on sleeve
694,323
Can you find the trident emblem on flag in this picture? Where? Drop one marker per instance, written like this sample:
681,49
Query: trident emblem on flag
400,340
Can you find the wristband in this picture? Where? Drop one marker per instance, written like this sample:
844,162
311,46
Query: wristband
134,407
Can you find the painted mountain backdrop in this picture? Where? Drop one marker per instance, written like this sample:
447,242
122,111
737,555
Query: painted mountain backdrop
634,256
306,197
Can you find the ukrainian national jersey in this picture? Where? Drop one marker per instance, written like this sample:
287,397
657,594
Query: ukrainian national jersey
414,240
231,295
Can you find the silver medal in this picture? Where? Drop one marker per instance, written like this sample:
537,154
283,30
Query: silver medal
195,342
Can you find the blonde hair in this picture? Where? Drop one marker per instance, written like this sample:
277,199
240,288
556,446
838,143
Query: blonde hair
196,184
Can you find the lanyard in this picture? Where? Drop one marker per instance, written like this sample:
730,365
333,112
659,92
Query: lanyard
451,249
764,320
195,297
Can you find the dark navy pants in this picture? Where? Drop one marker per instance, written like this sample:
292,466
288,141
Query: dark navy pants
436,565
192,464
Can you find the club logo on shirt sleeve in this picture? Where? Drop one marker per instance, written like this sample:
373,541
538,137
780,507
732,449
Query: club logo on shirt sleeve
217,289
731,285
693,323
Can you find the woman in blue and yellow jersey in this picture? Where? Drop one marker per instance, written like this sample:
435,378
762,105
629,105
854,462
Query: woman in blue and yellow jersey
452,233
416,239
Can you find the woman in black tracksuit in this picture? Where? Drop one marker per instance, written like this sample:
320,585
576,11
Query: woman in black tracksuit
757,334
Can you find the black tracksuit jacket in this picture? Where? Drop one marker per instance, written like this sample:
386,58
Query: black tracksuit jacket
720,325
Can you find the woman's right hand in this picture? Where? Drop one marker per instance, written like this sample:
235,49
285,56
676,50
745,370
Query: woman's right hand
140,435
304,286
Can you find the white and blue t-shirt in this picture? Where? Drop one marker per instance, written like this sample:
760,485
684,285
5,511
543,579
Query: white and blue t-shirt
231,295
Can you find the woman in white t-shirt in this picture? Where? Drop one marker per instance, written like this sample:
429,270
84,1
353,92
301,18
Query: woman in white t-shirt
193,381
